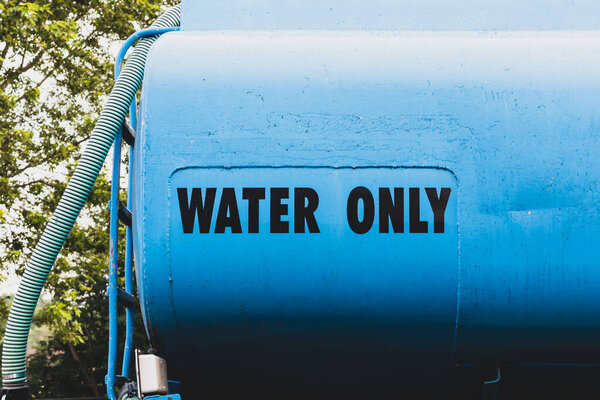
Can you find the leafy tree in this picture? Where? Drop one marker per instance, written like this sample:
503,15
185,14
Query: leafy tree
62,368
55,71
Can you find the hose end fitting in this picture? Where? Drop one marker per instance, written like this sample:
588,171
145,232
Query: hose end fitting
20,392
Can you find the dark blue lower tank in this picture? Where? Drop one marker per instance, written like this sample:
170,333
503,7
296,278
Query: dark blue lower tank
358,212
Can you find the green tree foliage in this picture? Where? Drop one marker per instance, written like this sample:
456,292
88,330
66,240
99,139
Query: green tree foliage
55,71
61,368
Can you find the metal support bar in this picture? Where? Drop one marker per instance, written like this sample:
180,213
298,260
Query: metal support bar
126,299
124,214
490,388
128,133
121,380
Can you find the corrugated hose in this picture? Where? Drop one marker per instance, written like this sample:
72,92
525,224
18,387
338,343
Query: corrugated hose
72,201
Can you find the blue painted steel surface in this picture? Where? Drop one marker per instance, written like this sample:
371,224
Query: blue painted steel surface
391,14
508,120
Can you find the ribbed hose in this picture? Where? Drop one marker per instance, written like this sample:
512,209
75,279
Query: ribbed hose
70,205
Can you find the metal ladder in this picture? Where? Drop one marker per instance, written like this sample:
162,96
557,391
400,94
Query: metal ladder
121,212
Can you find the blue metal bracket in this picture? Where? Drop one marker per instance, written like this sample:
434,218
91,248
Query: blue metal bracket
119,211
490,388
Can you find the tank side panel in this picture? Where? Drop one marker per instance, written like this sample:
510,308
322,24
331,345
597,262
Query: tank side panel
513,115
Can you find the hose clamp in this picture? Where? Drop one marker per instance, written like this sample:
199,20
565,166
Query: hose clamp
11,377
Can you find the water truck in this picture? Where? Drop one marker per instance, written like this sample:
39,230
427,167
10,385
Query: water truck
346,199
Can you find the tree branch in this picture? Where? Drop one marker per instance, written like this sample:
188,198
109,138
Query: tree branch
37,85
40,161
32,63
27,184
91,381
3,54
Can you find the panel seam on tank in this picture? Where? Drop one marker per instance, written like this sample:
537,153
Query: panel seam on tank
141,144
169,258
458,272
147,72
437,167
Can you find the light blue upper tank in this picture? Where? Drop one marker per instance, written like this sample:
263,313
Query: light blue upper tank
354,194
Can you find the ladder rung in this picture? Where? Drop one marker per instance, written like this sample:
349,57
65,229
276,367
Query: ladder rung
124,214
127,299
120,380
128,133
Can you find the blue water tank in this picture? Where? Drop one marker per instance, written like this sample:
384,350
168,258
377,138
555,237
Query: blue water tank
351,197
